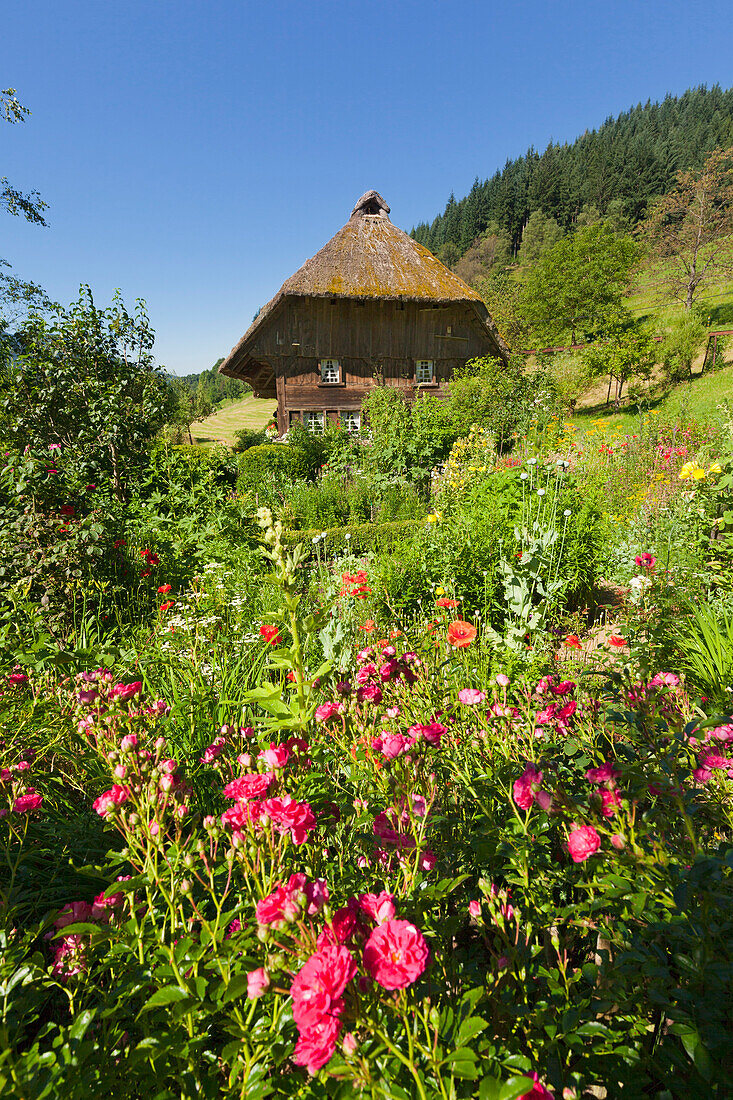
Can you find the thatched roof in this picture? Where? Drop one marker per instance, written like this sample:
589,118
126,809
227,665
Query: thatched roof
370,258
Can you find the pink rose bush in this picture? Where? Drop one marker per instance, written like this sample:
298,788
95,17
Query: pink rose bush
409,871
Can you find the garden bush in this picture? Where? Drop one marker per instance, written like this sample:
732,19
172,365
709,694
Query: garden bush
357,538
248,437
279,461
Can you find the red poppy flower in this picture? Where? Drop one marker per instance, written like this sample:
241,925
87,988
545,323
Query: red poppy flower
270,633
461,634
573,641
167,605
164,588
444,601
617,640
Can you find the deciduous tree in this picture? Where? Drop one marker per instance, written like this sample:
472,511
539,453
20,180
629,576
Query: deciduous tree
576,286
84,379
690,230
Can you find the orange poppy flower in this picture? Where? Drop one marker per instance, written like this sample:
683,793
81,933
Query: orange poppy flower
445,602
368,626
460,634
573,641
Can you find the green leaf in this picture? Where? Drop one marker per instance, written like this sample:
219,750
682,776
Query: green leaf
515,1087
489,1089
469,1029
235,988
169,994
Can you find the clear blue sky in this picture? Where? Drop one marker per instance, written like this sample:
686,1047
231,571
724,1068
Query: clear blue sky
195,152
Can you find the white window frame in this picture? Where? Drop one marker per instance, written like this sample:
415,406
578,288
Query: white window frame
351,421
329,367
421,368
314,421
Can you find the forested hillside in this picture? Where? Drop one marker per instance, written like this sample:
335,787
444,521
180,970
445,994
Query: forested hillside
216,386
614,170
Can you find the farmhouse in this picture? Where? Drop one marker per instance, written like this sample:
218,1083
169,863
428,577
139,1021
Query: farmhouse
373,307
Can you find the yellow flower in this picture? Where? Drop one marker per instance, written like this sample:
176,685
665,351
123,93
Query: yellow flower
440,592
686,471
715,469
698,474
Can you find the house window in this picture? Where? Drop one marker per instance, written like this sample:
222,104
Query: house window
314,422
351,421
424,370
330,371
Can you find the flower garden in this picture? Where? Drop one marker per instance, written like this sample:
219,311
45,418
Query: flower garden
297,814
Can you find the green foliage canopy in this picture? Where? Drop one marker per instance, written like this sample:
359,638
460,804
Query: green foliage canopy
84,379
576,287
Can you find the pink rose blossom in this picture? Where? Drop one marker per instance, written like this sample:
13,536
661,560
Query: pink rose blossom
279,907
108,802
316,1045
297,818
607,773
317,987
396,954
327,710
31,800
276,756
715,760
249,786
214,750
526,787
125,691
258,982
610,802
76,912
380,907
502,680
583,842
369,693
471,697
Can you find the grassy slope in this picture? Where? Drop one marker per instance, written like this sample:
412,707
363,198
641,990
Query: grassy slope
699,399
222,426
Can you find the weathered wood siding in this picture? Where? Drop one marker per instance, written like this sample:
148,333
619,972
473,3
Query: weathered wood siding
369,338
317,328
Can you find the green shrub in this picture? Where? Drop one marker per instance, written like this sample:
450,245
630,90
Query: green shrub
333,501
249,437
280,460
359,538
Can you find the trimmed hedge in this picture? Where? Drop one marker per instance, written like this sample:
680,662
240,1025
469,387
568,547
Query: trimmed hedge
279,459
358,538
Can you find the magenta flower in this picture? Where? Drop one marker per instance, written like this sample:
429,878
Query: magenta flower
396,954
471,697
258,982
528,785
31,800
583,842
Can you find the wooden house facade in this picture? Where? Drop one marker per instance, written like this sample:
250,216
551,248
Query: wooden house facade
373,307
